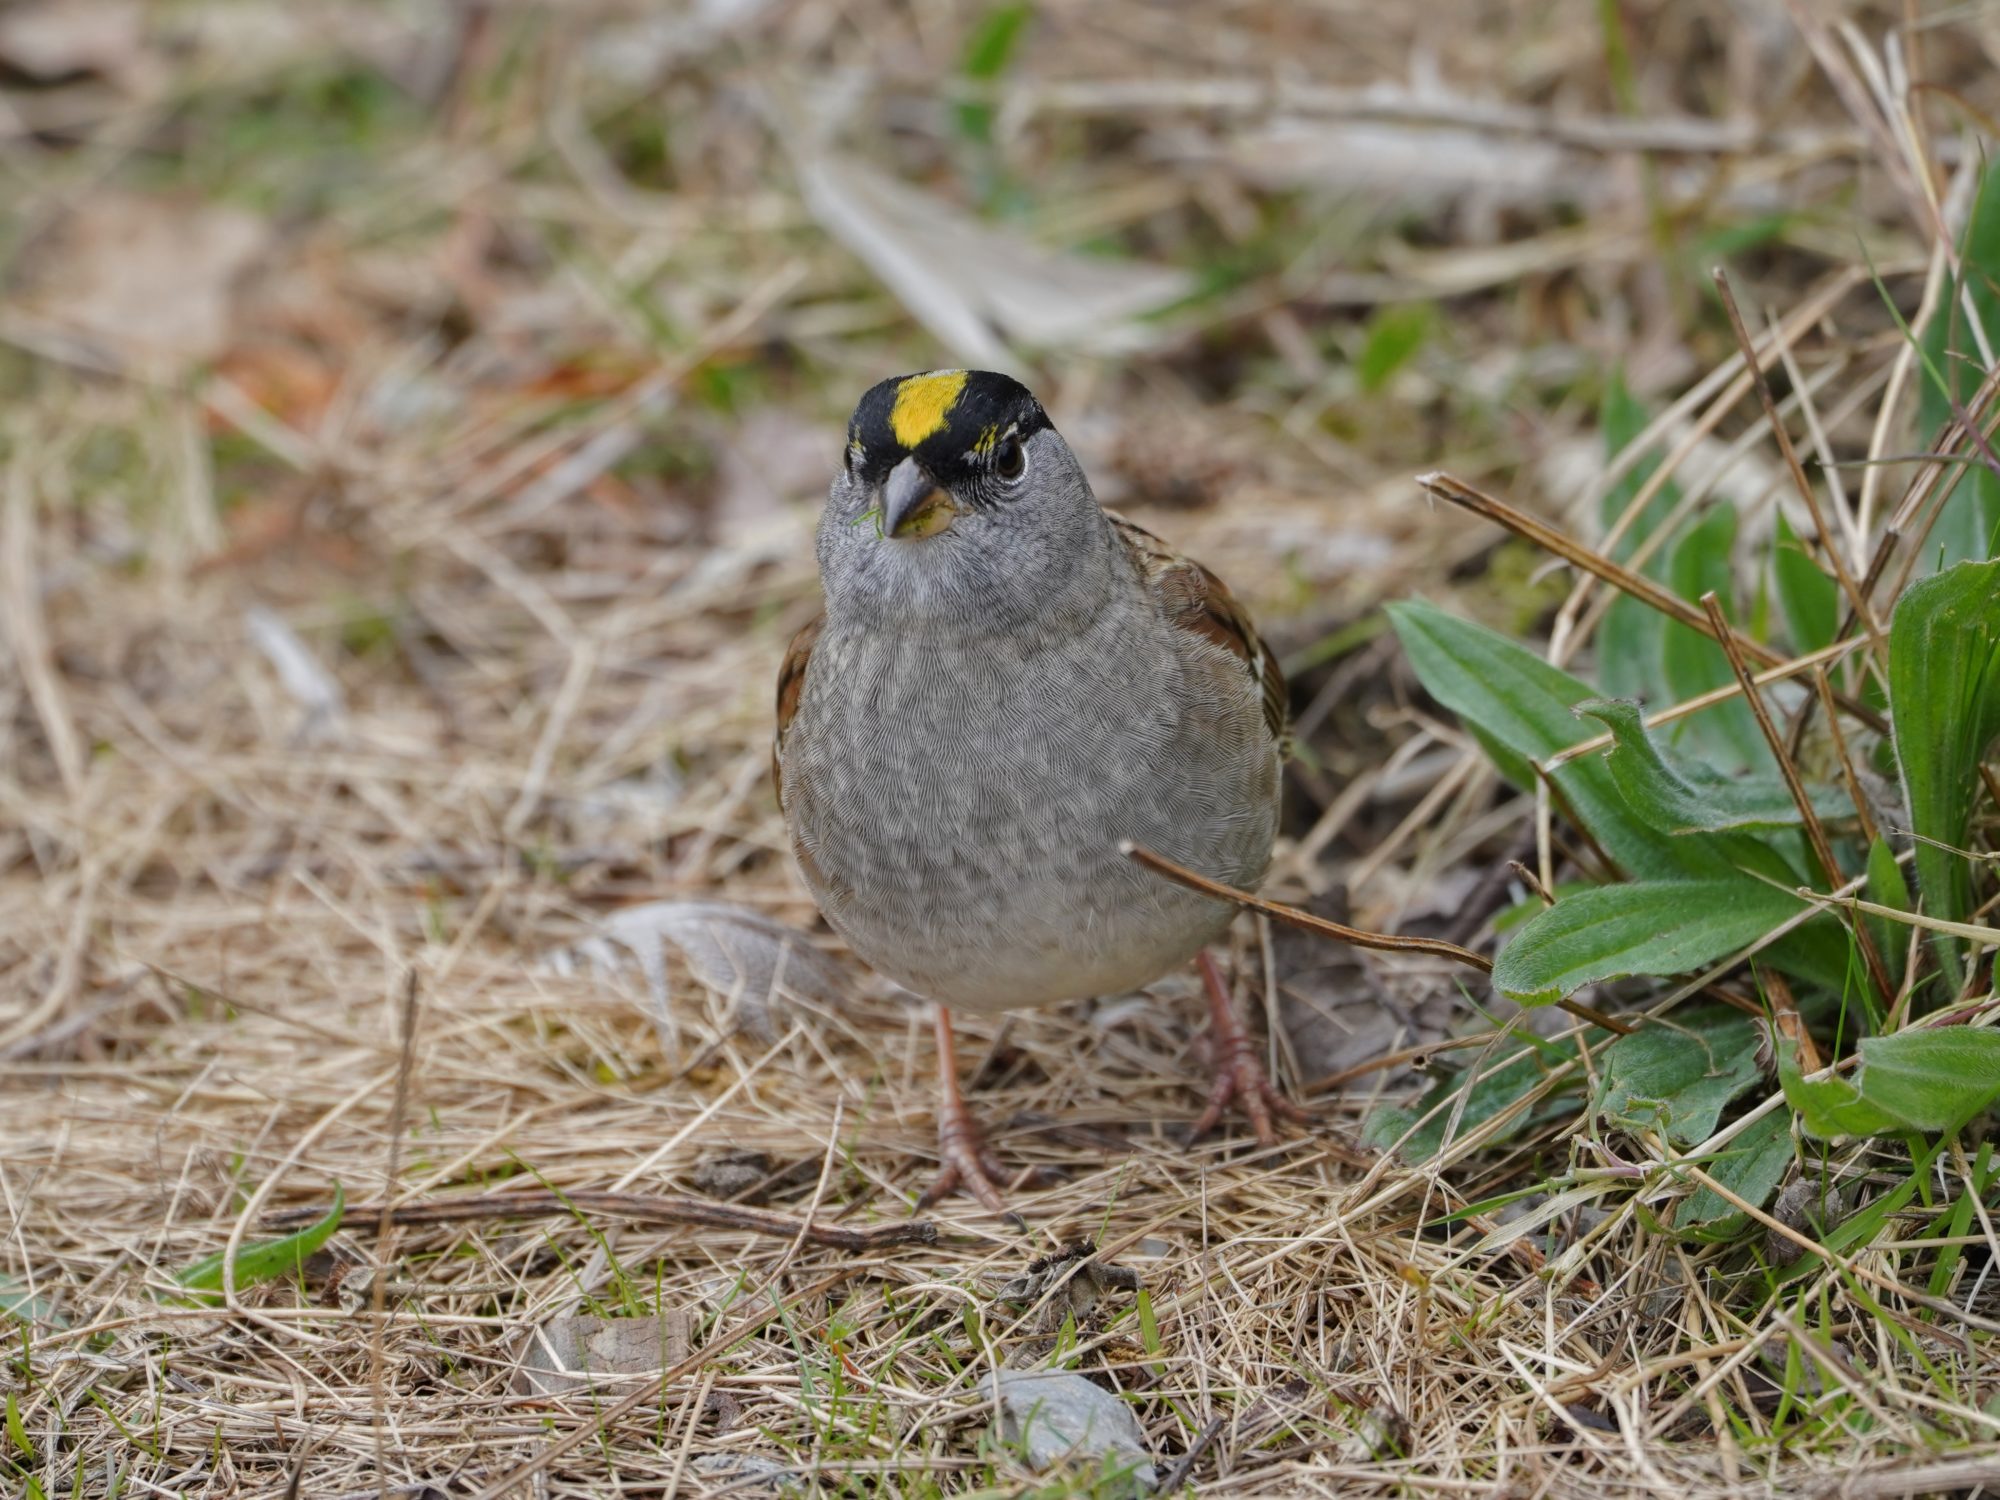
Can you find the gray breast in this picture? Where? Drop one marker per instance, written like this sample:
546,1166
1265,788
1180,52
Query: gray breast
958,806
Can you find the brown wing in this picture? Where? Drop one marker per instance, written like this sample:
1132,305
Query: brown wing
791,684
1195,599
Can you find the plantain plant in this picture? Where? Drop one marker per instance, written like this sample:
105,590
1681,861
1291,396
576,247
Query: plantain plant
1794,862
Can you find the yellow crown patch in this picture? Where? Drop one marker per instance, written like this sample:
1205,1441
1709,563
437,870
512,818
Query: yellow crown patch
922,404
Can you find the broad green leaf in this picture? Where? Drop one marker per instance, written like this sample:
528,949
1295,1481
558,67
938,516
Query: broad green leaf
1726,734
1808,596
266,1260
1511,1080
1953,367
1683,796
1944,695
1511,698
1677,1074
1886,887
1751,1167
1647,927
1520,708
1629,640
1395,333
1932,1080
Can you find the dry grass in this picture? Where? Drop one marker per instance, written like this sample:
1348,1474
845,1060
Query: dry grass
411,603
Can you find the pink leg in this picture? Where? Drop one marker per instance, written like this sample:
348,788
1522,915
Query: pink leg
1238,1074
964,1159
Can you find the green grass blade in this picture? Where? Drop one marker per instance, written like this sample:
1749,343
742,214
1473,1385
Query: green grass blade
265,1260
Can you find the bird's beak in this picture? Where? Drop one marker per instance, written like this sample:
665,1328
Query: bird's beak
913,504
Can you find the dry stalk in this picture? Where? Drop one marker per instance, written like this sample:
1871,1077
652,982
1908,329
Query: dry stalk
1878,972
1385,942
1857,601
1445,487
644,1208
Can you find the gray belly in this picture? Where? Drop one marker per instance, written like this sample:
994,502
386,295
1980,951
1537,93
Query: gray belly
958,812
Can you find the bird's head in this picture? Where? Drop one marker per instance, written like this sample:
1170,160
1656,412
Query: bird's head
956,501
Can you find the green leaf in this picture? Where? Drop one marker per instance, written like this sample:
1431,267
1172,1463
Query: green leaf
1751,1167
1685,796
987,52
1511,699
1629,641
1648,927
264,1260
1933,1080
1520,708
1944,695
1676,1075
1727,733
1149,1324
1507,1083
1967,523
1808,597
1395,334
1956,1222
17,1431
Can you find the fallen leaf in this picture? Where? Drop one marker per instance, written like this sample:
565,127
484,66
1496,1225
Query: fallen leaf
1337,1014
576,1353
974,285
1408,164
153,278
1067,1284
753,963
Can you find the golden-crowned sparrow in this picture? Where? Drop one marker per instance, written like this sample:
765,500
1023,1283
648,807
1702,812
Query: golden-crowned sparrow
1008,683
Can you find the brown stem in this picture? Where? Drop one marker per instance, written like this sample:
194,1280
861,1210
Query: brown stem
1647,592
1387,942
1866,814
1822,850
1857,600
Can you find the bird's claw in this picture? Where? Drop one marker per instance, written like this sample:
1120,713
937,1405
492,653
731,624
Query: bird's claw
1240,1079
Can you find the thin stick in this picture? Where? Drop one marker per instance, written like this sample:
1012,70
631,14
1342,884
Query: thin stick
378,1312
1878,972
1184,1465
1386,942
1674,712
646,1208
1857,600
1461,494
1862,810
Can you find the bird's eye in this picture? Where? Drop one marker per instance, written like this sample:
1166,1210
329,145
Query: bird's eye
1010,462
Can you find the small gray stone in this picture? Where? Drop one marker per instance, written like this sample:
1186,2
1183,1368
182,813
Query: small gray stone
1055,1415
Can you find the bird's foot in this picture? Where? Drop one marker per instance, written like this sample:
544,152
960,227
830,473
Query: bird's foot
965,1161
1239,1077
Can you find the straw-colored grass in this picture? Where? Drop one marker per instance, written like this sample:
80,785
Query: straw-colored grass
412,604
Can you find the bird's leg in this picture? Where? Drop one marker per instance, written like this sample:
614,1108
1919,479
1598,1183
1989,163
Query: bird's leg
963,1160
1238,1074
